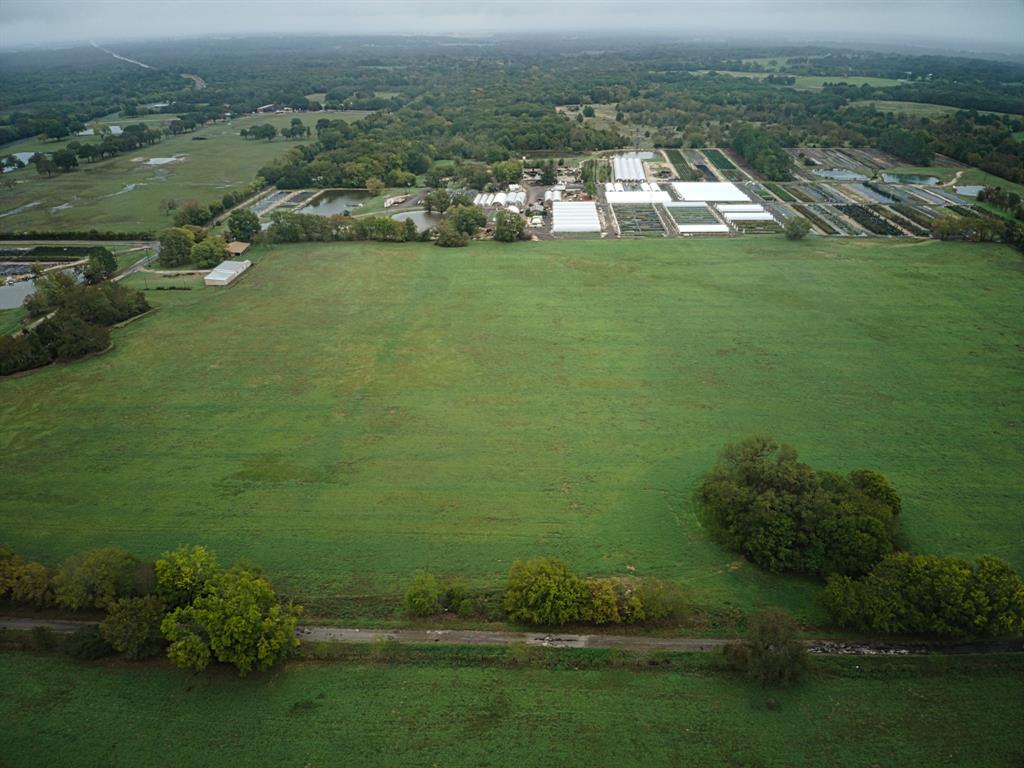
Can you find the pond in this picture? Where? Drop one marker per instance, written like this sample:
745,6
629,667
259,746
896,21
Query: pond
839,174
336,202
13,295
422,219
910,178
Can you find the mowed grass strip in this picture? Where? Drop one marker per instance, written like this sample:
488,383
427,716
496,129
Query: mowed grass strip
350,413
860,712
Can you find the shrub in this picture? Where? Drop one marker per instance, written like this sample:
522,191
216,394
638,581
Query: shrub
449,237
544,592
42,639
181,574
797,228
602,602
210,252
423,597
32,585
931,595
761,501
662,601
95,579
466,218
175,246
772,653
508,226
132,626
243,225
87,644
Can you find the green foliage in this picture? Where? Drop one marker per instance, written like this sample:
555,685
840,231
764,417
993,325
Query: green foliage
175,246
467,219
602,602
374,186
772,653
96,578
237,620
931,595
209,253
507,172
449,237
797,228
182,574
132,626
508,226
102,265
423,597
191,213
243,225
761,501
87,644
24,581
544,592
764,152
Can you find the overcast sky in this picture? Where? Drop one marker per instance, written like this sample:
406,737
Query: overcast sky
996,25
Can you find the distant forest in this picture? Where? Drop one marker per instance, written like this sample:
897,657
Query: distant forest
488,101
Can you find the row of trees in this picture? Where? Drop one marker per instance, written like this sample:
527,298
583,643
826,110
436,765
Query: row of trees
184,603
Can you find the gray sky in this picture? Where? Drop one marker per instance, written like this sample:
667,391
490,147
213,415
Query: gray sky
980,25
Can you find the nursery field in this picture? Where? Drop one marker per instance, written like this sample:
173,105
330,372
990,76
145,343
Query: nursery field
350,413
124,193
855,713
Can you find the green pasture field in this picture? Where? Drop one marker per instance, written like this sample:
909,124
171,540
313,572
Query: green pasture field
96,191
814,82
350,413
969,176
855,713
10,320
916,109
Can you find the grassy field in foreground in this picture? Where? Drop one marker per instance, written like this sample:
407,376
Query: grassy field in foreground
350,413
856,715
123,193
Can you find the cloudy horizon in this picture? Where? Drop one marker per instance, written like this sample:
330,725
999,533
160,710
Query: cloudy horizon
981,27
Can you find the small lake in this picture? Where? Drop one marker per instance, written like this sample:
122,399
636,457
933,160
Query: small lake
336,202
839,174
910,178
421,219
13,295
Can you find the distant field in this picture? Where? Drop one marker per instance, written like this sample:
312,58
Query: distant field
969,176
913,108
858,712
99,195
350,413
814,82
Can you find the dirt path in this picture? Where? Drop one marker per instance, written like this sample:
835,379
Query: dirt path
568,640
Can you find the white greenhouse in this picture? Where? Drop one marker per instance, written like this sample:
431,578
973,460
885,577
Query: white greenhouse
575,217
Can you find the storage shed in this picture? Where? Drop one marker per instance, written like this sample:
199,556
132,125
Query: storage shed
225,272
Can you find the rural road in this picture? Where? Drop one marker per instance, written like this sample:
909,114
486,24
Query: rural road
568,640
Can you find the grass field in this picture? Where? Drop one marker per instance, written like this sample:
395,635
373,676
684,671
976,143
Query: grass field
913,108
350,413
100,196
10,320
814,82
860,712
969,176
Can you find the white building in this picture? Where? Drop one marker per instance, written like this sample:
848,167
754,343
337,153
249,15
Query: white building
226,272
709,192
575,217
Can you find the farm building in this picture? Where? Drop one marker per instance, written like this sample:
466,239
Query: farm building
695,219
225,272
749,212
628,167
635,194
709,192
237,247
575,217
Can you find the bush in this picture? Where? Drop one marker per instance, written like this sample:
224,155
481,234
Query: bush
797,228
602,602
182,574
175,246
42,639
761,501
95,579
423,597
449,237
243,225
209,253
24,581
544,592
931,595
87,644
132,626
508,226
772,653
466,218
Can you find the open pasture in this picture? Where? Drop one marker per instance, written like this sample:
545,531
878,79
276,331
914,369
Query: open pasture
350,413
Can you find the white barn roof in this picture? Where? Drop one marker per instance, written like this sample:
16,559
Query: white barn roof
575,217
710,191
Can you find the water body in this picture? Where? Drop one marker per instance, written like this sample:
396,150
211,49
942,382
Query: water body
839,174
910,178
969,190
14,295
124,190
336,202
421,219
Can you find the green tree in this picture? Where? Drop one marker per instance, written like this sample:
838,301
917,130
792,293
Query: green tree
237,620
44,165
466,218
544,592
209,253
102,264
175,246
772,653
508,226
132,626
423,597
96,578
65,160
507,172
797,228
243,225
375,186
182,573
548,174
191,212
449,237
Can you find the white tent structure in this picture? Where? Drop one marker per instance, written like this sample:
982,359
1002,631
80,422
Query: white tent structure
701,222
644,193
749,212
575,217
709,192
628,168
226,272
